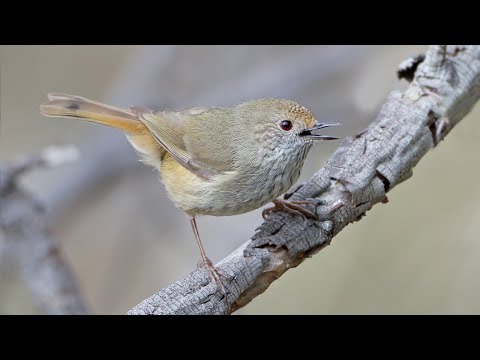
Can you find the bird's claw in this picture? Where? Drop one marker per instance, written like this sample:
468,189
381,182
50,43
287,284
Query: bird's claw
292,207
214,273
323,210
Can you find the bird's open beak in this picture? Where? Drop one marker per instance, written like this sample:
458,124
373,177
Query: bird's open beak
307,133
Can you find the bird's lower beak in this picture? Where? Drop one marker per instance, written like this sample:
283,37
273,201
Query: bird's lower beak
307,133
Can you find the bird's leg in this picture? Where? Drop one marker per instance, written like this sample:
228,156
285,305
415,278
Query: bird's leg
206,262
292,207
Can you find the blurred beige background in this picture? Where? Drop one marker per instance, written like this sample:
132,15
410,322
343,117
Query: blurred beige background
418,254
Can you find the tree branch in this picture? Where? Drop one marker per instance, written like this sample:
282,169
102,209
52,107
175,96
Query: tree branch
445,86
25,237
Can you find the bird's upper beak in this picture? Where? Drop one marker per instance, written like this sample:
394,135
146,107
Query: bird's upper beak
307,133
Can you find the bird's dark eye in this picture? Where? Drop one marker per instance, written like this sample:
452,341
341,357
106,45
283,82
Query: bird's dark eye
286,125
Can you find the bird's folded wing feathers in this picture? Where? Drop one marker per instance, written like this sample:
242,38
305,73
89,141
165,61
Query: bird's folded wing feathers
168,128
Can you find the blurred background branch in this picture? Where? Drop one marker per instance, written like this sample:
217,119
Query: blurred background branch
25,239
363,169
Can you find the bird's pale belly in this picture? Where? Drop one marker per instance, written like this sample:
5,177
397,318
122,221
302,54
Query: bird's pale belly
230,193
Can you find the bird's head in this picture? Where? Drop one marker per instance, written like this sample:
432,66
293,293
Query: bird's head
284,125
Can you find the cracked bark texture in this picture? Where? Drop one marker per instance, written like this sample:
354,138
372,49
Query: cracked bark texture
444,87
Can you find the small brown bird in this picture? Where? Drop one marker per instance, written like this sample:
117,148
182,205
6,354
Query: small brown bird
214,161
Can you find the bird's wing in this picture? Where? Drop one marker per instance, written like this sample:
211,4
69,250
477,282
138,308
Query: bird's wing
168,128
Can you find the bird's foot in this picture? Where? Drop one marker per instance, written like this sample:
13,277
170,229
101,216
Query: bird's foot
292,207
214,274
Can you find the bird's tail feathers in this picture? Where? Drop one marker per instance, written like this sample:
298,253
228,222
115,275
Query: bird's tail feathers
63,105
